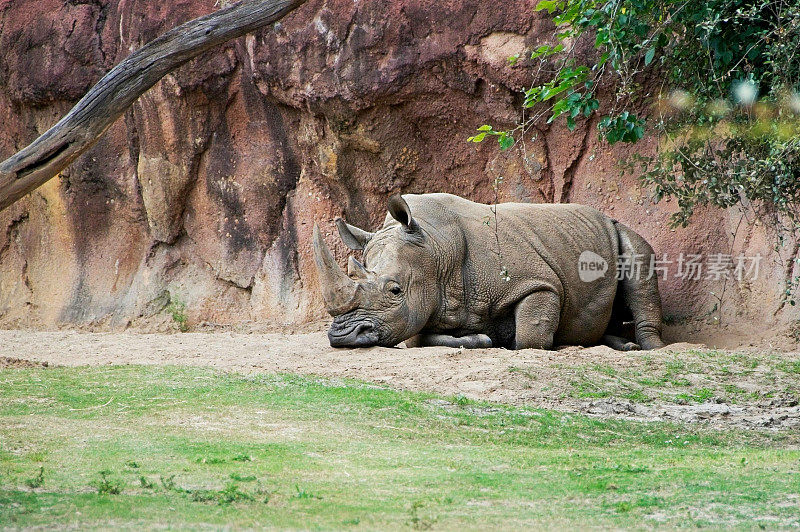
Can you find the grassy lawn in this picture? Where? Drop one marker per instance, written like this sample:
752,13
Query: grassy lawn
683,377
132,447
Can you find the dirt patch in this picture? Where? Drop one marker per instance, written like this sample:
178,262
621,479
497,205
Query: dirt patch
9,362
759,415
752,387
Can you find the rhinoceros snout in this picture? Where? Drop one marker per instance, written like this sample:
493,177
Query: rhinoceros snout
348,334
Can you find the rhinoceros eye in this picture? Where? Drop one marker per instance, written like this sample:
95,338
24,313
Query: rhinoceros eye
395,289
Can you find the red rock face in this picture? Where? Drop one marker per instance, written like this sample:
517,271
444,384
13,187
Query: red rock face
208,189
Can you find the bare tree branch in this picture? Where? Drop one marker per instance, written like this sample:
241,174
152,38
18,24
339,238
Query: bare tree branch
121,86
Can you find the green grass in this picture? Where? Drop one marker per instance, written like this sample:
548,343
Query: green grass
690,376
134,447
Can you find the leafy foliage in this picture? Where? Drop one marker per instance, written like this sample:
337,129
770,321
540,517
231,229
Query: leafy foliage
625,127
177,310
727,114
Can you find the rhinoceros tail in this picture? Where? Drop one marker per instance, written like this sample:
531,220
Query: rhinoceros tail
638,288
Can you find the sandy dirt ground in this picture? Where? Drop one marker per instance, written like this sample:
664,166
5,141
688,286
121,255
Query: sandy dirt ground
727,388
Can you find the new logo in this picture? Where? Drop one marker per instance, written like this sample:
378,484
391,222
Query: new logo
591,266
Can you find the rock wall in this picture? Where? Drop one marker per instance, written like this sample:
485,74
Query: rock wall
207,190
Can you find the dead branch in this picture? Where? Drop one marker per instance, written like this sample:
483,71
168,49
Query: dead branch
122,85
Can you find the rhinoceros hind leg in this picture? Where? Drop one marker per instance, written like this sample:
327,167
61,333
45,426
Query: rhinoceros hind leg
619,343
470,341
640,291
536,319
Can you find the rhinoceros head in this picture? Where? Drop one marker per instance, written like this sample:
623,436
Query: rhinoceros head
392,295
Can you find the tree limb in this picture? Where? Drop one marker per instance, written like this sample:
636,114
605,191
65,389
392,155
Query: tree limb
122,85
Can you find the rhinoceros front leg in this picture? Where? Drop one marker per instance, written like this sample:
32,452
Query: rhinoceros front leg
536,319
470,341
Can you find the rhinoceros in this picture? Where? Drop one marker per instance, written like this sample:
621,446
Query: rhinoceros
444,270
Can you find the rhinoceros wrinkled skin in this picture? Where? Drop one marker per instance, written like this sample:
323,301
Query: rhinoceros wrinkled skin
444,271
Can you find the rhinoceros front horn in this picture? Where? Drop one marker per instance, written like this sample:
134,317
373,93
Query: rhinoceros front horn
338,290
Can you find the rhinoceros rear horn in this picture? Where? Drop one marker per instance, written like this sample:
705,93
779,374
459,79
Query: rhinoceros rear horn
352,236
356,270
401,212
338,290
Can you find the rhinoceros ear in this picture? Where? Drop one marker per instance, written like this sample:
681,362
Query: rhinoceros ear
401,212
352,236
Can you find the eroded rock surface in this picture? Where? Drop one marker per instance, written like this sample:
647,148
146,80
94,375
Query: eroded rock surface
207,190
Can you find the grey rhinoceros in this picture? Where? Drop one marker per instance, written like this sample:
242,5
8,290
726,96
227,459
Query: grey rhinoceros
444,270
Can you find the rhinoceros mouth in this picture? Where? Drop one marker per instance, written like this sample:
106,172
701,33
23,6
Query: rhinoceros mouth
360,334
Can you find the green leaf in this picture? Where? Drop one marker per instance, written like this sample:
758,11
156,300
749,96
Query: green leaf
558,109
540,51
485,127
549,5
590,106
546,50
649,55
477,138
533,92
505,141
